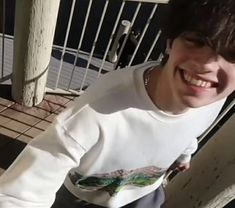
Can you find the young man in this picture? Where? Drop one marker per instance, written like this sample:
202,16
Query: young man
121,136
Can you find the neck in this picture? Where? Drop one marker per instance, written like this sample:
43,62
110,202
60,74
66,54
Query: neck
161,93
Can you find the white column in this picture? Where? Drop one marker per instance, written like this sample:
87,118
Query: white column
210,183
35,22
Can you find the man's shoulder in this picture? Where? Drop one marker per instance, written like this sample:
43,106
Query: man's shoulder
213,107
112,92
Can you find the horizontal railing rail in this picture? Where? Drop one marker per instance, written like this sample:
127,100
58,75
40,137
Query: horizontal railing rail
152,1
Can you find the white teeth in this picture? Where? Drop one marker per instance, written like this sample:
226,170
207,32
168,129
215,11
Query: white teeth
195,81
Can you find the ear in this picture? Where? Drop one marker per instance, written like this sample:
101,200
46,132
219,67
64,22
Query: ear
168,46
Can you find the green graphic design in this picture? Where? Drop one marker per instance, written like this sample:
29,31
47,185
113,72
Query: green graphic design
113,182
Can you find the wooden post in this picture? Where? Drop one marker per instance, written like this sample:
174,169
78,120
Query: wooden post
210,183
35,22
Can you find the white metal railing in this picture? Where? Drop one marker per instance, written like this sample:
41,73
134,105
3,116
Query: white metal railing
6,57
122,31
94,43
143,33
126,37
152,1
3,37
154,43
65,42
6,49
102,62
80,43
68,82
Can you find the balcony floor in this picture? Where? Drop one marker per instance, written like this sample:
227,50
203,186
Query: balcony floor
18,124
78,72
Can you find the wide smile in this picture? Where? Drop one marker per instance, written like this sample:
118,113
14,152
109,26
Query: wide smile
196,81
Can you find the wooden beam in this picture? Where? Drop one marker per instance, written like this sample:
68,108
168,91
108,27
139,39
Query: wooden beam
35,22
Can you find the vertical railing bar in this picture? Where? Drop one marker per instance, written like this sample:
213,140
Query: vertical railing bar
111,37
94,43
136,13
143,33
125,39
3,36
153,45
80,42
65,42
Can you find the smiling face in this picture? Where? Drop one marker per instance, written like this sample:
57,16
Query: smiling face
196,75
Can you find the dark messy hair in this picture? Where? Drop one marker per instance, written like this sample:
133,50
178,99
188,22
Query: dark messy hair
212,19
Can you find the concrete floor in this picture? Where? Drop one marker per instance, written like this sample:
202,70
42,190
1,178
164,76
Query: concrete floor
19,125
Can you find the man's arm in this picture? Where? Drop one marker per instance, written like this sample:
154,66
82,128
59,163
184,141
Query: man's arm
38,172
183,161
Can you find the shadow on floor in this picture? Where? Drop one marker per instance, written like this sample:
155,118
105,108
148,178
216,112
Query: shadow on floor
9,150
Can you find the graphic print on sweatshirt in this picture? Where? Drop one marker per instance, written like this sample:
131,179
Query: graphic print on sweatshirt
113,182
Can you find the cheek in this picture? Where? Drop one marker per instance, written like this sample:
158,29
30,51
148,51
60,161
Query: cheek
179,55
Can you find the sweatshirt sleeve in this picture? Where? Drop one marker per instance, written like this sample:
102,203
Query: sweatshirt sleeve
185,157
39,171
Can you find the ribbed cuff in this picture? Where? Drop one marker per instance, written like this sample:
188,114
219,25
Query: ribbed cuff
184,158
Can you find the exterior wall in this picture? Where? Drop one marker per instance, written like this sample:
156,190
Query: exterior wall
210,183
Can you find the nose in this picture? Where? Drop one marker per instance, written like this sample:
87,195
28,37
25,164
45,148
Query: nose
206,60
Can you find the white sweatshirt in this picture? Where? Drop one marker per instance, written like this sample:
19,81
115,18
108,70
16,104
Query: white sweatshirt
115,142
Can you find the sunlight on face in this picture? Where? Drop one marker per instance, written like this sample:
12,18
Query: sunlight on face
198,75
